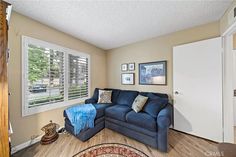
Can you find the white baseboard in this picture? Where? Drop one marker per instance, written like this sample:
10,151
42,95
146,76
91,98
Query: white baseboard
25,144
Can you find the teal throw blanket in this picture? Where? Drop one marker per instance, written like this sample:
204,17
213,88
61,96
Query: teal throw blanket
81,116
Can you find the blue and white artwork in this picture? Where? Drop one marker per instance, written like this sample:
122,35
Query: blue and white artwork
153,73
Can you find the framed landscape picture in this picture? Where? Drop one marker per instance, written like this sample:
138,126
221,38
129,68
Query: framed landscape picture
127,79
153,73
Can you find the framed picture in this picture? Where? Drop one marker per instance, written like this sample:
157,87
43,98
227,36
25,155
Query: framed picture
124,67
153,73
131,66
127,79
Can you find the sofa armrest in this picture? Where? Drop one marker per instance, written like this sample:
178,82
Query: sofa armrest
164,120
90,101
164,117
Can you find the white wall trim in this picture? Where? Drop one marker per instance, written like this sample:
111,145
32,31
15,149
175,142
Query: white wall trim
25,144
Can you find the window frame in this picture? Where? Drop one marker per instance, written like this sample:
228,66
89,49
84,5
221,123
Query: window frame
26,111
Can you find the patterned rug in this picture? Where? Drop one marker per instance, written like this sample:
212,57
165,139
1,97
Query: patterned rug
110,150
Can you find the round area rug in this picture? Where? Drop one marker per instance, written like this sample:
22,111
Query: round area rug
110,150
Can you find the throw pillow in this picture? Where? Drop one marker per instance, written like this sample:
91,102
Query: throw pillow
138,103
104,96
154,106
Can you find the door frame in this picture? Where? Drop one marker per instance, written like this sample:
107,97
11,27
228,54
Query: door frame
228,83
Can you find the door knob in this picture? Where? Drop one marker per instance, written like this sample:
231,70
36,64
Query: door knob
176,92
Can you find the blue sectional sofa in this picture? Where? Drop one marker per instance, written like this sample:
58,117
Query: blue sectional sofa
150,126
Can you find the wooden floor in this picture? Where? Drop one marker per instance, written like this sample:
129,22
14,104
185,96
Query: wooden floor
180,145
235,134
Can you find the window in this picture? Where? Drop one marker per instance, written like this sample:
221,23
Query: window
78,77
52,77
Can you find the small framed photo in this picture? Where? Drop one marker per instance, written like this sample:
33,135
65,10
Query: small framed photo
127,79
124,67
131,66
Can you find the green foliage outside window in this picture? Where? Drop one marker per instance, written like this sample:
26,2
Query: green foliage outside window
38,63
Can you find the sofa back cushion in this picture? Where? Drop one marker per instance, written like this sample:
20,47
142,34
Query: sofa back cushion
126,97
115,94
155,103
154,95
95,94
154,106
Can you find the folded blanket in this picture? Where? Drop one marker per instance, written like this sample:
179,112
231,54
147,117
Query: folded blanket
81,116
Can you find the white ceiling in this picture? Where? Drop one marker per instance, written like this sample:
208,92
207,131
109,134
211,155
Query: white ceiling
109,24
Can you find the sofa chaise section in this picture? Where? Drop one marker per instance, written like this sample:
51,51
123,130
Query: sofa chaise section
99,123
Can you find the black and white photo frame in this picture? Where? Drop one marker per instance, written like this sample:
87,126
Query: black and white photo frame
124,67
131,66
127,79
127,67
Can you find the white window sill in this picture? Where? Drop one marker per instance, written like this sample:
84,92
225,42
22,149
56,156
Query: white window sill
48,107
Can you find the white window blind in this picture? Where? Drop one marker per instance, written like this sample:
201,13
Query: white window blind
78,77
52,76
45,76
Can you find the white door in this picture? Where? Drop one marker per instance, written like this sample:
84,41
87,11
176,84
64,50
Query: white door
234,99
234,84
197,89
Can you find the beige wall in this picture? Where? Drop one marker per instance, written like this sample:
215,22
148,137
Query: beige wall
224,23
25,127
155,49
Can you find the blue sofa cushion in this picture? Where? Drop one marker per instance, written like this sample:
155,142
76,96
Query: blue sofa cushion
154,106
115,94
90,101
95,94
101,109
126,97
142,119
117,112
133,127
154,95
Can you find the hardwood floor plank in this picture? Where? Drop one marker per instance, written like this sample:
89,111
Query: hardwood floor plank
180,145
235,134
